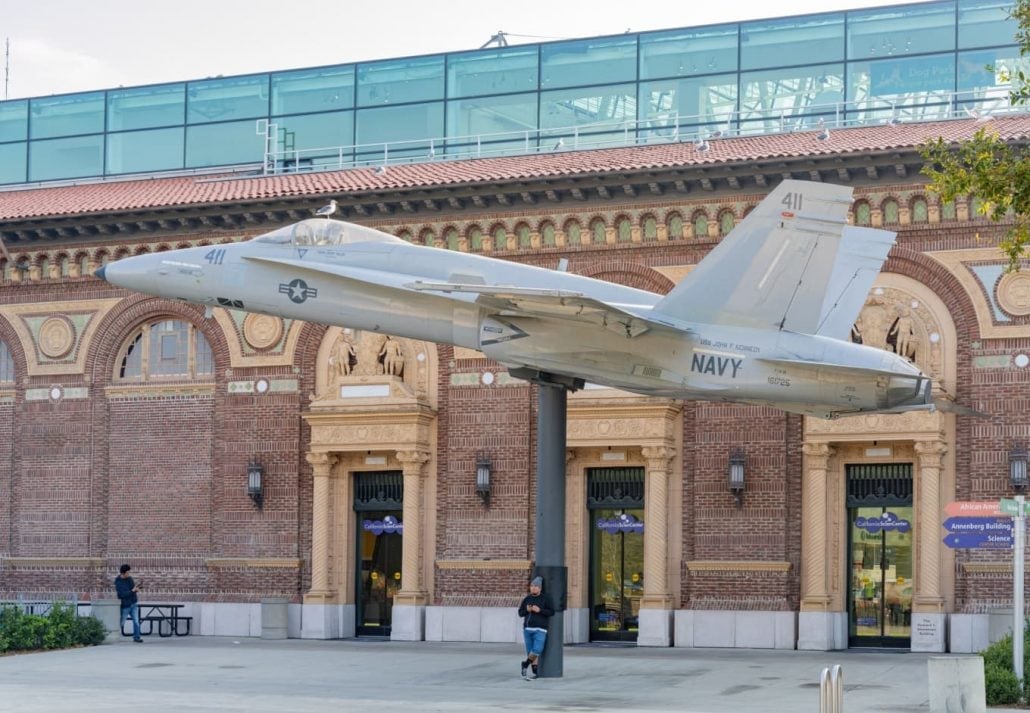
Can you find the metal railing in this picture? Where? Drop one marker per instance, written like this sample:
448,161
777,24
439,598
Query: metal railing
659,129
34,603
831,690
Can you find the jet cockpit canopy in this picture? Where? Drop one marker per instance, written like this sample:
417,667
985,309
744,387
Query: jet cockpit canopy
323,232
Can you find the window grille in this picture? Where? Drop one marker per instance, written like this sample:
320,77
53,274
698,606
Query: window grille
615,487
379,490
877,484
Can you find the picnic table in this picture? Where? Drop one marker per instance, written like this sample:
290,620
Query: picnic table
167,617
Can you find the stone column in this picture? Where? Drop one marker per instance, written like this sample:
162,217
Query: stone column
815,593
819,628
322,617
409,604
655,620
321,528
577,548
928,617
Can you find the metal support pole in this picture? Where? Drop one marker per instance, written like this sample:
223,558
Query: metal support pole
550,518
1017,589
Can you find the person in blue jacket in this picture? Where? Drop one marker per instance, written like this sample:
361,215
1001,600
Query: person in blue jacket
126,588
536,611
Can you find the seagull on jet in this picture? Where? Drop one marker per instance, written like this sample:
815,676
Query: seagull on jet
327,210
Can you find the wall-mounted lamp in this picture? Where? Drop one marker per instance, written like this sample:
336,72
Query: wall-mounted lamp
483,478
254,471
1017,468
736,475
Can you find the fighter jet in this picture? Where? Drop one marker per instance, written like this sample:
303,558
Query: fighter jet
766,318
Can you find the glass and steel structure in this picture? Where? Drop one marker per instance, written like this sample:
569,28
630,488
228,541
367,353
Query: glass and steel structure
901,63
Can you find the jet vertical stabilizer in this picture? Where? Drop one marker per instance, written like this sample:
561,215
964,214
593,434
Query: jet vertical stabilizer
773,270
859,260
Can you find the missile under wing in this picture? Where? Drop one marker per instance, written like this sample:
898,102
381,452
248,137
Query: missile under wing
765,318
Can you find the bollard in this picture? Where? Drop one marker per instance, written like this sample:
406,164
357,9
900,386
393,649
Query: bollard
831,690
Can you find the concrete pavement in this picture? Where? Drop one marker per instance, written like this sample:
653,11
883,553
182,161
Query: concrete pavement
199,674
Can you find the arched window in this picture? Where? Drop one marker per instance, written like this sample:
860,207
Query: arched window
476,238
166,349
862,214
675,226
547,234
919,213
452,238
6,364
624,230
405,235
890,211
976,206
572,232
948,211
700,225
500,238
522,233
598,230
650,228
726,222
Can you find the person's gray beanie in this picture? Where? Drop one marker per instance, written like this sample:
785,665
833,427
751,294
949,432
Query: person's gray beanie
537,582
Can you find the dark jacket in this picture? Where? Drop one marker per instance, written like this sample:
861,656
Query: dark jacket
536,620
124,586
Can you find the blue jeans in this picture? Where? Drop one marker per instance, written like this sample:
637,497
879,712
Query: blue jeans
535,639
132,611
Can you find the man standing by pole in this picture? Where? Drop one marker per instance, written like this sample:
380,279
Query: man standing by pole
536,612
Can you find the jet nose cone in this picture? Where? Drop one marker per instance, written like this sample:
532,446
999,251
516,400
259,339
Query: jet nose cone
100,273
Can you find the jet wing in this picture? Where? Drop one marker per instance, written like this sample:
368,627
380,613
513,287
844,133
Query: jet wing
505,301
554,304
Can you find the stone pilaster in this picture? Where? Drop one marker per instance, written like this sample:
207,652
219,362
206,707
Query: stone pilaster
413,590
927,596
656,528
321,528
815,593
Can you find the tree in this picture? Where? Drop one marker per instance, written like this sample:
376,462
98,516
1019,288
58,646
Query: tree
986,167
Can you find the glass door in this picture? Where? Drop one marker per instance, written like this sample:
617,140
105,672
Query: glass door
378,506
379,571
617,573
880,563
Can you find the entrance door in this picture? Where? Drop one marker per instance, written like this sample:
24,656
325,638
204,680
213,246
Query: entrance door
378,500
616,552
880,556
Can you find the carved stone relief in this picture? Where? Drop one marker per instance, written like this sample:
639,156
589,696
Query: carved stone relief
361,357
895,321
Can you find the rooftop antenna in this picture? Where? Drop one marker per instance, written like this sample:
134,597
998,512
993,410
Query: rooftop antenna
500,39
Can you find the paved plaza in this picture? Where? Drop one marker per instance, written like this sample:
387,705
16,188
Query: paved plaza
197,674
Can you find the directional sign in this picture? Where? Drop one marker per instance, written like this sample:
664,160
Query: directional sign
979,524
981,508
978,540
1008,506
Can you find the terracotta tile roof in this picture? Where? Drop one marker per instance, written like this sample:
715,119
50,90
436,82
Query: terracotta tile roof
156,193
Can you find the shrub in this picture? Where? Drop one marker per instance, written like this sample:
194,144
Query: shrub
59,629
1002,686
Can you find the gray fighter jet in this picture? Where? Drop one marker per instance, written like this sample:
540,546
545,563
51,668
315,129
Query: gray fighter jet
766,318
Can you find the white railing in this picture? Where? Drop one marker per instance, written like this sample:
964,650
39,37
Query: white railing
663,128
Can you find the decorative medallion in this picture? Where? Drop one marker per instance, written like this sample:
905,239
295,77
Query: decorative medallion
56,337
262,331
1014,293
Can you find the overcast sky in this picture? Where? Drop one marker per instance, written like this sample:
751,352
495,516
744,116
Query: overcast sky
61,46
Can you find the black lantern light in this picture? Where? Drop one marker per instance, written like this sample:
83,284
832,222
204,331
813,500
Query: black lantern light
483,478
1017,468
254,471
736,475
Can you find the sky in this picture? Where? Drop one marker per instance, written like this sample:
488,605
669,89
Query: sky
59,46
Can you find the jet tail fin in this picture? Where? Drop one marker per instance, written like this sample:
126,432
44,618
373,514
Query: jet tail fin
773,270
859,259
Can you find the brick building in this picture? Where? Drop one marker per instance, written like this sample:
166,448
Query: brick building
132,423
